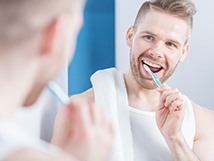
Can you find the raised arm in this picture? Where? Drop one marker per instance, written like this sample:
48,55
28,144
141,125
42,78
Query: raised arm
83,130
169,118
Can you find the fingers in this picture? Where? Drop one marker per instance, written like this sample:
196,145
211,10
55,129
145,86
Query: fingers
89,117
163,87
65,124
176,105
95,113
171,98
85,116
81,127
101,121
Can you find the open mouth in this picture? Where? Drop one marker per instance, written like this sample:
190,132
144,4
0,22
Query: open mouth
155,68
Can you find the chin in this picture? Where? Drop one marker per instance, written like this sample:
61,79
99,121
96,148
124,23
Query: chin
148,84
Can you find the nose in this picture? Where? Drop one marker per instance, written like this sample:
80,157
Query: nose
156,50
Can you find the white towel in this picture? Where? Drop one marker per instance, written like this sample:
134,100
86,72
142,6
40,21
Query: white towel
110,93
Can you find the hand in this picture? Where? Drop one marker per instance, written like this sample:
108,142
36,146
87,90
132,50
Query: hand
84,131
170,112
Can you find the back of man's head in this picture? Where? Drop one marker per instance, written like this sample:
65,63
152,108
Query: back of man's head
22,18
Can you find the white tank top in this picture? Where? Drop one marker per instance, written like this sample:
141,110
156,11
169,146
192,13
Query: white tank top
148,143
14,137
137,135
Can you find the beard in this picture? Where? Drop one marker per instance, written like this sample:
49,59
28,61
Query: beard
143,81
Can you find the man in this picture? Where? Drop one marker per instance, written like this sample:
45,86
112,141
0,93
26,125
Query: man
159,122
37,38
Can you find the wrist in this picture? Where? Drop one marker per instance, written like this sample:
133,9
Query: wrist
176,141
173,137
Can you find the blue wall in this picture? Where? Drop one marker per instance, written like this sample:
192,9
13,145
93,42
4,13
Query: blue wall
96,45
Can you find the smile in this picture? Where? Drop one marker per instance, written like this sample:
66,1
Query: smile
153,67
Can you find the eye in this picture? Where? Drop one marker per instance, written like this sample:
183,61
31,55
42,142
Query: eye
148,37
170,44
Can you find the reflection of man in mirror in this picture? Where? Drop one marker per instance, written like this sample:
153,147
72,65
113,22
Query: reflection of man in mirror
155,123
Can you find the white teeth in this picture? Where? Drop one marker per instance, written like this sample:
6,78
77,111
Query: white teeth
151,64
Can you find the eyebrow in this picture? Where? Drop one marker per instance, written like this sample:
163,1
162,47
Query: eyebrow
150,33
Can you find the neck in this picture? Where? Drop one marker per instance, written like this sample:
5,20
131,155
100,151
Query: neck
33,95
12,94
15,81
140,97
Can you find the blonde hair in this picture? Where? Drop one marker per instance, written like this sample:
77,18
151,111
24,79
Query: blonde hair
183,9
20,18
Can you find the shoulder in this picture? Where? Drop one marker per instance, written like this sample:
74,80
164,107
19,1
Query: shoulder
105,74
203,141
88,96
204,119
107,71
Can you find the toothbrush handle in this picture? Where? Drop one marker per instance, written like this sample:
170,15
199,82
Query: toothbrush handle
58,93
156,79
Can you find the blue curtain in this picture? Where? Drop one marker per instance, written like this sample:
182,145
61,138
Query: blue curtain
95,46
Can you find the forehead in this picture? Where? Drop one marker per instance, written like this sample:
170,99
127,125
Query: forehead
164,25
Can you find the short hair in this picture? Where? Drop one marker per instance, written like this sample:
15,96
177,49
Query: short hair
183,9
20,18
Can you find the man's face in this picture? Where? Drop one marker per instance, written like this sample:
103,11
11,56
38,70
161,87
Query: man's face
159,42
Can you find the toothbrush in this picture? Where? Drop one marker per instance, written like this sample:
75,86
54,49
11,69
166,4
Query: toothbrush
154,77
58,93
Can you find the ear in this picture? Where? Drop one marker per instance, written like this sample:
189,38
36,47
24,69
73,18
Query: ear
49,37
184,52
129,36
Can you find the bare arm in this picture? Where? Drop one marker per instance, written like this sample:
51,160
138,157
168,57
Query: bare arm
180,150
204,142
81,129
169,118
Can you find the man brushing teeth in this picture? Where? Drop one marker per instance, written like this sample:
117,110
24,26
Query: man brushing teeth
155,123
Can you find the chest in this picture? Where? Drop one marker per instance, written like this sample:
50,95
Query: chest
148,143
